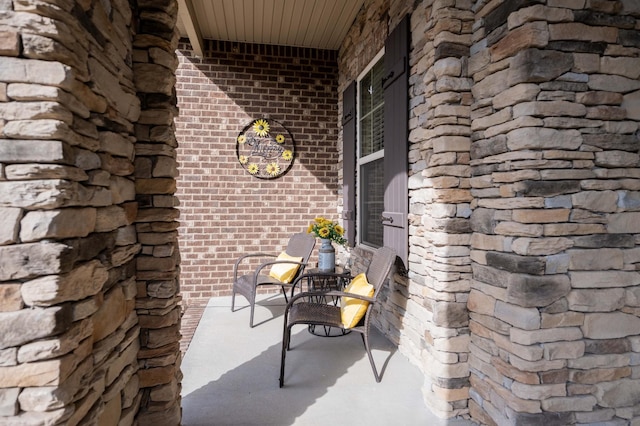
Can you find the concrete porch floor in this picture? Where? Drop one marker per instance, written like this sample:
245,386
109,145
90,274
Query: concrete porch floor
231,374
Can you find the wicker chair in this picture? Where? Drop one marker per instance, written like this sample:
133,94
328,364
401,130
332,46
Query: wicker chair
301,309
300,245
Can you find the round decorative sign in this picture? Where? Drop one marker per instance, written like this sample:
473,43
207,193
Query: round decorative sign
265,148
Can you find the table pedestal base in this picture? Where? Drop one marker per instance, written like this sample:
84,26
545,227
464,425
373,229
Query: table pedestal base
325,331
318,279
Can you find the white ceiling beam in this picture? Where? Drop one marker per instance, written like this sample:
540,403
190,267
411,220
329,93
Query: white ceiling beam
189,19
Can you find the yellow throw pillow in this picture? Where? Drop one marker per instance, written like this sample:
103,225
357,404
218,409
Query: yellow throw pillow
284,272
351,309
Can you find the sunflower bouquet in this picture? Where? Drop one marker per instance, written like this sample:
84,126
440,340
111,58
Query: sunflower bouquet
327,229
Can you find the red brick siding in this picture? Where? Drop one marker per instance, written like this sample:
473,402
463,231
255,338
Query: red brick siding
225,212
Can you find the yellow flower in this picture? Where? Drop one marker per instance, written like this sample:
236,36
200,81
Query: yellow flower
287,155
242,139
261,127
325,228
279,138
243,159
253,168
273,169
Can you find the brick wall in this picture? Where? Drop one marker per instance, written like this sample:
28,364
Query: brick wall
224,211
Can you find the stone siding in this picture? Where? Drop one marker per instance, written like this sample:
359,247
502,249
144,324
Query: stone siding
89,317
425,313
555,321
440,199
522,283
521,304
155,170
224,211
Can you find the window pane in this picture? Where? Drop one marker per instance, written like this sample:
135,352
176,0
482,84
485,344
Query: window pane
371,100
366,136
371,202
365,95
377,130
377,72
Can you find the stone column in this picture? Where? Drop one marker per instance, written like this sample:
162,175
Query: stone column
440,198
68,328
70,230
157,304
555,318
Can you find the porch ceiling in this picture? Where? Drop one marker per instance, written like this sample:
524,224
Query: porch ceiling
320,24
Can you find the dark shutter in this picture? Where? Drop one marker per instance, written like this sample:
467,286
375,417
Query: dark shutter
349,163
396,135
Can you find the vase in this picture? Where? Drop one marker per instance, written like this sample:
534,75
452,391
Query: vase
326,256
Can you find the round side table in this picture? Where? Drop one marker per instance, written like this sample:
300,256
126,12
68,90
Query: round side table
327,280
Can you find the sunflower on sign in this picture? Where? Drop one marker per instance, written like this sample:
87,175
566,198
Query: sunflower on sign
273,169
261,127
253,168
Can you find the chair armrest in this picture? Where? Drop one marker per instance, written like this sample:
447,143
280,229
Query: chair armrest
247,256
274,262
297,281
333,293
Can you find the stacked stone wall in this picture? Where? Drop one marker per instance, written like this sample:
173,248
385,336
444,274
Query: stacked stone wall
440,199
425,313
156,169
226,212
555,314
75,227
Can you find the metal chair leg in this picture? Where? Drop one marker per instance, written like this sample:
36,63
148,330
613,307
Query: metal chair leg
253,304
286,336
365,340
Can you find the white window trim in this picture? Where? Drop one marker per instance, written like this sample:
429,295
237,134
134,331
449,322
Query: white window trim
371,157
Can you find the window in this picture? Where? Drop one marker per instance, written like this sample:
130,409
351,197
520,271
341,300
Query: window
375,149
370,155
